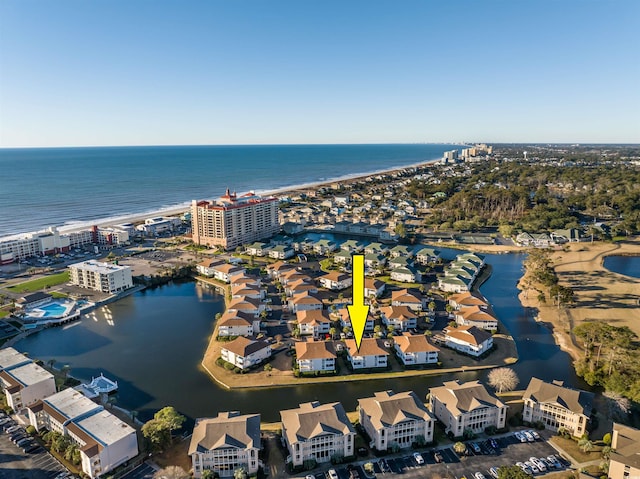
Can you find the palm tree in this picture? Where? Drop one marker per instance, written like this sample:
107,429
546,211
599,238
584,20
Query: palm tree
240,473
585,444
459,447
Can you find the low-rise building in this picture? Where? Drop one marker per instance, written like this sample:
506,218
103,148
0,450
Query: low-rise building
313,322
247,291
557,406
400,317
317,432
23,381
276,269
411,299
312,356
624,459
281,251
103,277
372,353
336,281
226,271
395,420
465,299
304,302
470,340
373,288
324,247
225,443
237,323
426,255
407,274
257,249
246,305
466,406
376,248
104,441
206,267
345,319
474,316
33,300
342,257
245,353
401,250
414,350
374,261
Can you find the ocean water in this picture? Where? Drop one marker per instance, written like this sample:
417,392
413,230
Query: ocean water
71,186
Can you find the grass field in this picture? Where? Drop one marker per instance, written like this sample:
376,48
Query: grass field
41,283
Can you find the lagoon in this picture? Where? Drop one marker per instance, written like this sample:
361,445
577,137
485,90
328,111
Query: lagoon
152,344
627,265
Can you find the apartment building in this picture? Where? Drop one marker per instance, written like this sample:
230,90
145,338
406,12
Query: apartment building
624,460
103,277
234,220
395,420
312,356
317,432
23,381
104,441
466,406
225,443
557,406
245,353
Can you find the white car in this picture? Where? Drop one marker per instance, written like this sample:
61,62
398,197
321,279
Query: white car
524,467
494,472
528,435
332,474
532,466
538,463
520,437
535,435
479,475
419,459
554,460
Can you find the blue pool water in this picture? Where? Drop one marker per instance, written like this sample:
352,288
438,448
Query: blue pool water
52,310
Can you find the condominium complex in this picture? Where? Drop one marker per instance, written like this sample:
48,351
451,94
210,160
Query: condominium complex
557,406
625,455
234,220
103,277
467,406
317,432
23,381
104,441
225,443
51,241
395,420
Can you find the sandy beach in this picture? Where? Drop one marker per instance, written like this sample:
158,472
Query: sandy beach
181,209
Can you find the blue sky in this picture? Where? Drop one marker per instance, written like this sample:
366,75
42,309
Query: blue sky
151,72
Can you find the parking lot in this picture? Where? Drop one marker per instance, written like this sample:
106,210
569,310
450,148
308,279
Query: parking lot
509,452
15,464
144,471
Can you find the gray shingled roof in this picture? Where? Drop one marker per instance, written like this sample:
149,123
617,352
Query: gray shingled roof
575,400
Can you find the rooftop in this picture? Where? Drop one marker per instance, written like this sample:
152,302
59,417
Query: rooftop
98,267
387,408
9,358
314,419
227,430
70,404
575,400
29,373
104,427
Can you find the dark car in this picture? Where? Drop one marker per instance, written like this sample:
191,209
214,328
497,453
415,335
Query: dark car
30,447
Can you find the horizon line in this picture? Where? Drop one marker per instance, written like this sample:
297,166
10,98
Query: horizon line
461,143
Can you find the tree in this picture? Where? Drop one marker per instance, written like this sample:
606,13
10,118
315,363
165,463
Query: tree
503,379
459,447
606,439
208,474
240,473
401,230
156,433
585,444
606,452
171,472
268,367
170,418
432,306
332,332
512,472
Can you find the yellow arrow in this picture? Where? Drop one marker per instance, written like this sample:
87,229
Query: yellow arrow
358,311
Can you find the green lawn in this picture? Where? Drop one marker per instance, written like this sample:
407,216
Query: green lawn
3,313
41,283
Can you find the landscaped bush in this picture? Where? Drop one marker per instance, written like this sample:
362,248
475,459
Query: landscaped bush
228,366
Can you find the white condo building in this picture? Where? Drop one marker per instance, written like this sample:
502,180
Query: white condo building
23,381
317,432
103,277
225,443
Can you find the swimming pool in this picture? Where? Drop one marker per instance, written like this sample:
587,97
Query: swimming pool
54,309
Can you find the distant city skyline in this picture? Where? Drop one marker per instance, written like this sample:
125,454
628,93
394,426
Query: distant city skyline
120,73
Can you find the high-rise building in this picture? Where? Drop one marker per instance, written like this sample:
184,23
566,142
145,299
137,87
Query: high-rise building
234,220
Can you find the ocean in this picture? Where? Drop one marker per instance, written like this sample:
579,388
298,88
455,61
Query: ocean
42,187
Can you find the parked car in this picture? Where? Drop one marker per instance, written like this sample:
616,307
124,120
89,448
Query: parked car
520,437
476,449
479,475
524,467
535,435
12,429
384,467
353,474
332,474
554,460
532,466
437,456
528,435
538,463
494,472
494,444
30,447
418,457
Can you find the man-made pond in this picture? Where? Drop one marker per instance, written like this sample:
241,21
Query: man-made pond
152,344
627,265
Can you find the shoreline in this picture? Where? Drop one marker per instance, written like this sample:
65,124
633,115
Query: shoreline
181,208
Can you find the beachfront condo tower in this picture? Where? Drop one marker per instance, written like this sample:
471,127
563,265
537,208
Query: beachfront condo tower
234,220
